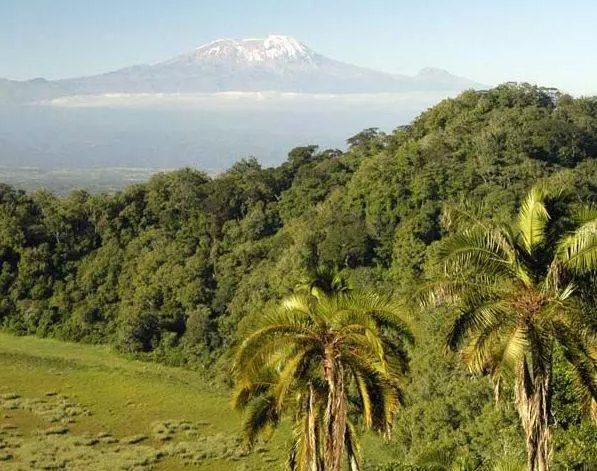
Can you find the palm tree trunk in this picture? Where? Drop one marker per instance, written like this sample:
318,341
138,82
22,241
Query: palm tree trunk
312,432
336,413
533,404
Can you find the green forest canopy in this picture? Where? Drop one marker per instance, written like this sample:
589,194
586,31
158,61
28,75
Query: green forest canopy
171,270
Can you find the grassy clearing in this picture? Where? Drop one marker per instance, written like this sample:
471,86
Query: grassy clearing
76,406
73,406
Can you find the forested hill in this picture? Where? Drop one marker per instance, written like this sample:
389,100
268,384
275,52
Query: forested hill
170,269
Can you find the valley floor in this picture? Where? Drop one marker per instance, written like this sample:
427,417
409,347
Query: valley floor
71,406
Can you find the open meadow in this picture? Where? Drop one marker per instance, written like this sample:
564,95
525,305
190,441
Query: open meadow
74,406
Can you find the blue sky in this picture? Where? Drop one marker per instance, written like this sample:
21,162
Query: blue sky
546,42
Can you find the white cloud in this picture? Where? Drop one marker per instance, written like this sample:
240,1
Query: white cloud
226,100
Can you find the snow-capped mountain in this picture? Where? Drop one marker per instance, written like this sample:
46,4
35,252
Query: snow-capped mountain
272,49
276,63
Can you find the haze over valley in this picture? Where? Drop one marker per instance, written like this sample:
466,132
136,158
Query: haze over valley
223,101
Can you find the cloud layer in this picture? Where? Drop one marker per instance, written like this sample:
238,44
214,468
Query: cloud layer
248,100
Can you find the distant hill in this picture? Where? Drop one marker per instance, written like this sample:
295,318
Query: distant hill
276,63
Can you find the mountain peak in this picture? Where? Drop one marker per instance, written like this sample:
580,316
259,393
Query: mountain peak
272,48
285,45
433,72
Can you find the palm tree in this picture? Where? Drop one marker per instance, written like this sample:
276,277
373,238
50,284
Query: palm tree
513,290
325,279
330,358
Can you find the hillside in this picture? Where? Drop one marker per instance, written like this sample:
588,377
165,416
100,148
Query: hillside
173,270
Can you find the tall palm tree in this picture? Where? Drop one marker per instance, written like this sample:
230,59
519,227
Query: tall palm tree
513,287
329,358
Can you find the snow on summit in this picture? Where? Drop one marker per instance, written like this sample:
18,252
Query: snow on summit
272,48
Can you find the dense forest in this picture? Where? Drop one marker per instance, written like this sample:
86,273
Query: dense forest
176,269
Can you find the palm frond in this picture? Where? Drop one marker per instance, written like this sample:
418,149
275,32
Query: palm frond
484,350
275,333
294,367
533,219
266,351
261,417
451,290
365,398
566,293
478,251
397,357
578,250
584,214
539,346
369,345
308,432
297,303
476,314
325,280
514,348
383,310
343,319
461,216
383,393
300,455
248,389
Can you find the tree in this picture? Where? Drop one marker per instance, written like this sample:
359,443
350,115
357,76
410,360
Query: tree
371,139
515,300
310,355
325,280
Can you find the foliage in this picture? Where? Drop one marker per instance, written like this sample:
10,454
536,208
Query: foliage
515,299
172,269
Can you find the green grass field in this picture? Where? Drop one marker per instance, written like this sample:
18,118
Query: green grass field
76,406
73,406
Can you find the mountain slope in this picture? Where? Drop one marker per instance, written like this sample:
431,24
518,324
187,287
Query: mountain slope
276,63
